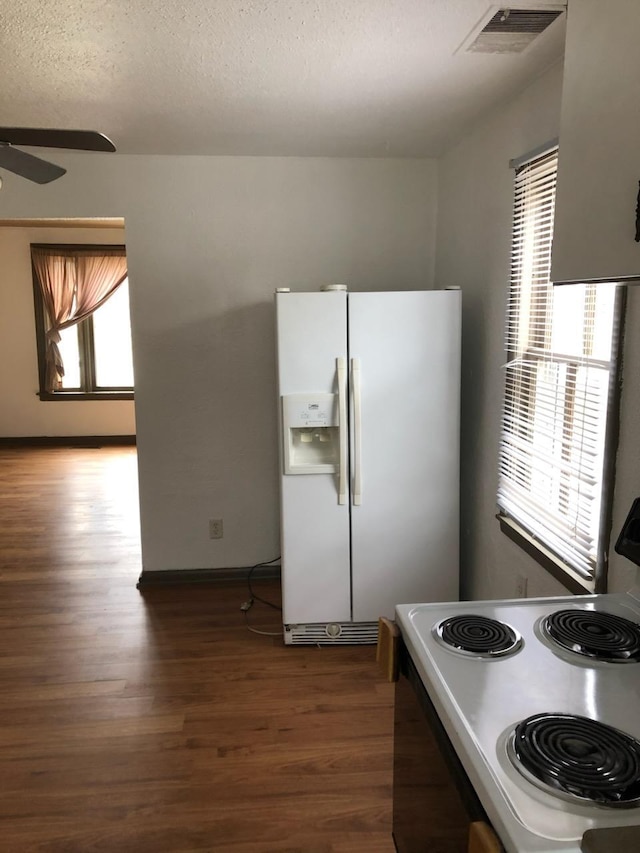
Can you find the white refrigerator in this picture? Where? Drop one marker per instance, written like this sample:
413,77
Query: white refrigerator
369,393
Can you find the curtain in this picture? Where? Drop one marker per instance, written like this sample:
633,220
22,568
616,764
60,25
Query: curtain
74,282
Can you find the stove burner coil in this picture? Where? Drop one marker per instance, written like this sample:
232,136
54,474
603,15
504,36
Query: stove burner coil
477,635
578,758
594,634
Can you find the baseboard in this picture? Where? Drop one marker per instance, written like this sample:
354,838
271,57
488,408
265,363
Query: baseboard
68,441
182,576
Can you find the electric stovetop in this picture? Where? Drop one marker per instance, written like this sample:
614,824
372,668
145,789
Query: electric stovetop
538,680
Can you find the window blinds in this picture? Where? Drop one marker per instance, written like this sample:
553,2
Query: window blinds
562,346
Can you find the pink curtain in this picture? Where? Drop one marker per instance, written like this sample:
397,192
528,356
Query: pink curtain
74,283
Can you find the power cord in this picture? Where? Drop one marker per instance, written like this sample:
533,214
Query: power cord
253,595
257,630
246,606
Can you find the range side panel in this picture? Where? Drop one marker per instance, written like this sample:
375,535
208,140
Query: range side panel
316,587
405,532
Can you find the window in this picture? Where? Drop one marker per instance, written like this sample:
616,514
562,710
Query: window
95,352
560,408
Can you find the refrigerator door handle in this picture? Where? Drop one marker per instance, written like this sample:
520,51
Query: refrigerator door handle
341,367
357,432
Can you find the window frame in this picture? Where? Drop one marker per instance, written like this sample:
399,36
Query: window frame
85,340
517,531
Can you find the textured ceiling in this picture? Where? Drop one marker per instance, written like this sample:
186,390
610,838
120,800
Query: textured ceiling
286,77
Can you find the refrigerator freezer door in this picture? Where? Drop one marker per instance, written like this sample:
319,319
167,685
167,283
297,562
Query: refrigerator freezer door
312,336
404,532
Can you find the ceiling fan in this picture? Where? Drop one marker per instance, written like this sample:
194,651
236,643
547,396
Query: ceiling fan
35,168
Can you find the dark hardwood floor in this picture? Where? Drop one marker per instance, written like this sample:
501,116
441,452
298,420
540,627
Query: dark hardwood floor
155,722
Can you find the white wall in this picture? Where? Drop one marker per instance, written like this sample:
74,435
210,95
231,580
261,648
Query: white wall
474,237
208,240
22,412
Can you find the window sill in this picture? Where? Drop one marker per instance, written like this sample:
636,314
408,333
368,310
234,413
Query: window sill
545,558
57,396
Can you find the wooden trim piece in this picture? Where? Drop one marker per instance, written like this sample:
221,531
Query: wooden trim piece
388,648
541,556
66,396
189,576
95,222
622,279
83,248
612,440
67,441
482,839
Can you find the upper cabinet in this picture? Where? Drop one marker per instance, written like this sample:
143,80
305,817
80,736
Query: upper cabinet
599,149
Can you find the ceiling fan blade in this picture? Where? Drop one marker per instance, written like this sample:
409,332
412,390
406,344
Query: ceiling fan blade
50,137
27,166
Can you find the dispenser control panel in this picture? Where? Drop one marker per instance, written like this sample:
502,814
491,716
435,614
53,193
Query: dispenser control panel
310,433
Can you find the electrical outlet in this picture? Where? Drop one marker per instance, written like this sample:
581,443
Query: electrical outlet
521,586
215,528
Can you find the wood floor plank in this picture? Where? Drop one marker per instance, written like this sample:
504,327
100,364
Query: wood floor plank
153,721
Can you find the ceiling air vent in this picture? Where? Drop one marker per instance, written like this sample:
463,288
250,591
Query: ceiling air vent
512,30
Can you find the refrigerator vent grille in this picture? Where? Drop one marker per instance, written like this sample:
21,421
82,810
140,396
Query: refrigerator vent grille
351,633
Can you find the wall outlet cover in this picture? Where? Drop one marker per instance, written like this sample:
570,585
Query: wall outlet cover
215,528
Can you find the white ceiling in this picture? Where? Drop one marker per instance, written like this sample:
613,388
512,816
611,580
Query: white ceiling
285,77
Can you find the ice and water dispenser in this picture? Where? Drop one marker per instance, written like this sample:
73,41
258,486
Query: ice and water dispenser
311,433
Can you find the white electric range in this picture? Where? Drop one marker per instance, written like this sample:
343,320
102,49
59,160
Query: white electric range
531,688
